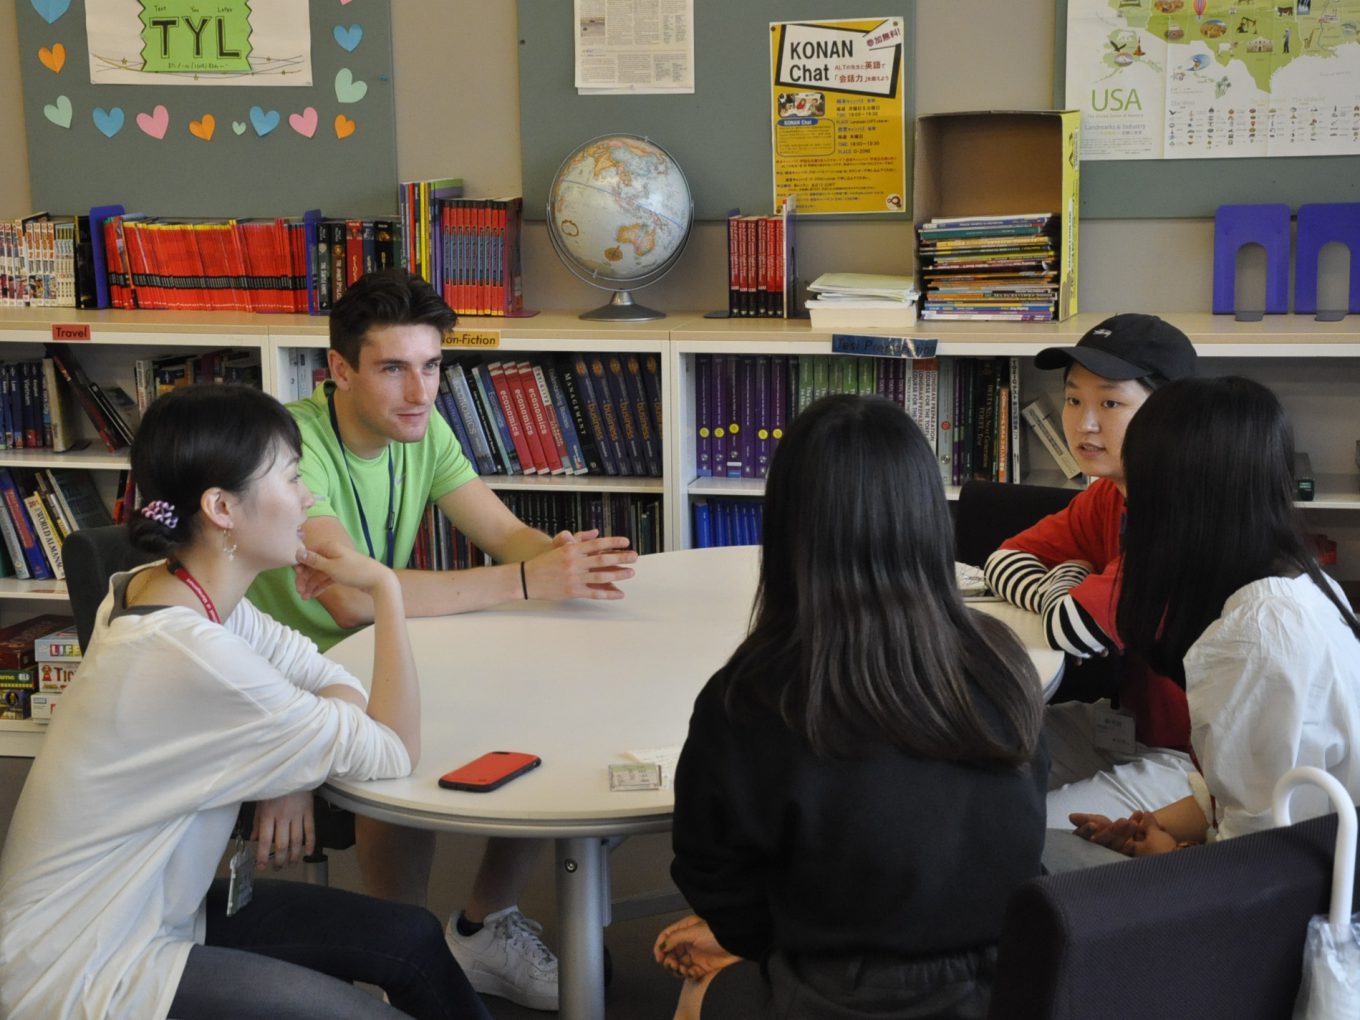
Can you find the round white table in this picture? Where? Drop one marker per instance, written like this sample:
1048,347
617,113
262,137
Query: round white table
580,684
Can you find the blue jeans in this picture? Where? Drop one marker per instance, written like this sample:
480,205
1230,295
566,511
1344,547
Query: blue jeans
281,956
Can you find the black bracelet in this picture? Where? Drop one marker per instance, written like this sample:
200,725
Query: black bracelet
523,584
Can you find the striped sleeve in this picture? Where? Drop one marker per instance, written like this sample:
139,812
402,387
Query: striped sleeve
1022,580
1016,576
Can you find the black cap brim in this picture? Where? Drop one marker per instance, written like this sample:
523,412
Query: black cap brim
1102,364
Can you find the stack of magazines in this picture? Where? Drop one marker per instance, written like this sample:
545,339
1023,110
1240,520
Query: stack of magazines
990,267
842,301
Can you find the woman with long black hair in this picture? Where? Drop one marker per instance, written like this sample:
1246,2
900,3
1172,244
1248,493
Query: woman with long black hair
1222,591
862,786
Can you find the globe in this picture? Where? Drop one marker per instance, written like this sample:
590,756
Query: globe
619,214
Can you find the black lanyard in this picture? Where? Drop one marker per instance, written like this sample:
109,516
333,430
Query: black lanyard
391,488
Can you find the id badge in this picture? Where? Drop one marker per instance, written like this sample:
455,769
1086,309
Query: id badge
242,884
1114,730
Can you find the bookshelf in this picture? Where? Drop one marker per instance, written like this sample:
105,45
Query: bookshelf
1313,366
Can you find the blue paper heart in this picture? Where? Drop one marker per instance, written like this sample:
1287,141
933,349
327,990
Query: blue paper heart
108,121
263,121
349,38
51,10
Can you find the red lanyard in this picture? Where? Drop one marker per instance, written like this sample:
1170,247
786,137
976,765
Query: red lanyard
177,568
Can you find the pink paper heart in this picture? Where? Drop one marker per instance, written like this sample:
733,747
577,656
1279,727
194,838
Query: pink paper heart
304,123
154,123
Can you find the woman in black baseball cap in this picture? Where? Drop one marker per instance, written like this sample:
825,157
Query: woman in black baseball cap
1130,752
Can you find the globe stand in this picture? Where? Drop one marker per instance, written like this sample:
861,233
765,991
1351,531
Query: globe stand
622,308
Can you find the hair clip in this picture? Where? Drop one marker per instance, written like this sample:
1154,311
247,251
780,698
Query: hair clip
162,512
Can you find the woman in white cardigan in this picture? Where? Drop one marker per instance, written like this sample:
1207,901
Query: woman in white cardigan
188,702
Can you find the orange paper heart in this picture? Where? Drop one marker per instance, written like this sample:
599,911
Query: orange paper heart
203,128
344,127
54,59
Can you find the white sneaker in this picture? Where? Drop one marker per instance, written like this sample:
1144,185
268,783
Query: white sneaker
507,958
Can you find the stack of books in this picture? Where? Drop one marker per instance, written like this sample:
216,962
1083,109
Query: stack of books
761,265
990,267
850,301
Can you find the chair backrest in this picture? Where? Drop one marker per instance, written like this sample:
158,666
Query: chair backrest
1209,931
988,513
91,556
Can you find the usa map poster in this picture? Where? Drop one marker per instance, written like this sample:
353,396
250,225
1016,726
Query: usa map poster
1188,79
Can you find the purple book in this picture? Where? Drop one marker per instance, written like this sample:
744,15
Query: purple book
703,424
747,369
763,421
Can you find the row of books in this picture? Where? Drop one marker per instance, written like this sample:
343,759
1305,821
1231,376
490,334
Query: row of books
40,509
721,522
38,261
154,376
467,248
761,267
966,407
572,414
638,517
271,265
990,267
39,657
37,398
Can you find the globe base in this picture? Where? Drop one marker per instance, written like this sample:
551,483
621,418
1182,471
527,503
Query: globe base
622,308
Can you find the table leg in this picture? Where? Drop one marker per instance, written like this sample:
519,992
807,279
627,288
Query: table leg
580,905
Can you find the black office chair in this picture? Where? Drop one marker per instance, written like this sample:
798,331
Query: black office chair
988,513
1209,931
90,557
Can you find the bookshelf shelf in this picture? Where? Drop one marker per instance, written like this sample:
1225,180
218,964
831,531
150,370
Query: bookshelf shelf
36,591
573,483
20,738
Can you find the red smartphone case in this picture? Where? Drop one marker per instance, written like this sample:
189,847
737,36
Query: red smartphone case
492,770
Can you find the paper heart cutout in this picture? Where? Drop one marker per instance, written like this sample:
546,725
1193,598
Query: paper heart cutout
343,2
304,123
109,122
344,127
349,37
54,59
154,123
51,10
263,122
347,90
239,126
59,112
203,128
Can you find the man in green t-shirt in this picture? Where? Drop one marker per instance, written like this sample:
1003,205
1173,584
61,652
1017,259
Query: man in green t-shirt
374,455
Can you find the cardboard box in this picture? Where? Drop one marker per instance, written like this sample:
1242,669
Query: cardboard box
60,645
999,162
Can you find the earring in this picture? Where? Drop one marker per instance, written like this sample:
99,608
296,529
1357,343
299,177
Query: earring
228,544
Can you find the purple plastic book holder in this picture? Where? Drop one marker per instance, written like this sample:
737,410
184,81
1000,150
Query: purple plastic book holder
1266,225
1321,223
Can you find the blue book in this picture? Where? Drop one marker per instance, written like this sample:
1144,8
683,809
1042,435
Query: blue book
505,444
703,528
23,527
444,401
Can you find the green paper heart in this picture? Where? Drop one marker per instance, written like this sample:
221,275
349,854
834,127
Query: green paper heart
347,90
239,126
59,113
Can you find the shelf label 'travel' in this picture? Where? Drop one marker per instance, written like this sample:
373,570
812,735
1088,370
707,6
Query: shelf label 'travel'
65,331
478,338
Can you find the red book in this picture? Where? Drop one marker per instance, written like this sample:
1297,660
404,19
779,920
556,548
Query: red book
550,412
115,268
496,371
537,456
354,251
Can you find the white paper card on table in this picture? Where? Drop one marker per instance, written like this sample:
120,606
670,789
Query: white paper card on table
635,776
666,757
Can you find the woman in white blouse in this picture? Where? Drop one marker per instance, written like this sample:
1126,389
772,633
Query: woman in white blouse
1222,590
188,702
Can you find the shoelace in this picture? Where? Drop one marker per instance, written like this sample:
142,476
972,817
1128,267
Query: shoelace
522,934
